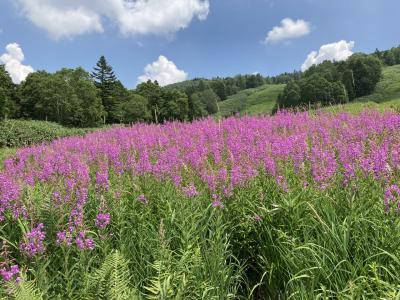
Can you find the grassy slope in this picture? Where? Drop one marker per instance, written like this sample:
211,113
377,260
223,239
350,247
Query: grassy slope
388,88
385,97
259,100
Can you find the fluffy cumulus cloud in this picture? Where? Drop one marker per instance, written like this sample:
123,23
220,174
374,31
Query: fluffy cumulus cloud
68,18
289,29
164,71
12,60
333,52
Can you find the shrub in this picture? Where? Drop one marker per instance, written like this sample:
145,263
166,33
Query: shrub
18,133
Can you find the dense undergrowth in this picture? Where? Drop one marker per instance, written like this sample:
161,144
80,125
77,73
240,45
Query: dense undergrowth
295,206
19,133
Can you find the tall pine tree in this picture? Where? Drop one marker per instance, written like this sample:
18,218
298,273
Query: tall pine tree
105,80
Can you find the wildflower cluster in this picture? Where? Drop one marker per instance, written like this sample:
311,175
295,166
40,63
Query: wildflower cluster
33,244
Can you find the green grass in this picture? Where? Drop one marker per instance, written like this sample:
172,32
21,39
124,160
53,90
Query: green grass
259,100
357,107
4,153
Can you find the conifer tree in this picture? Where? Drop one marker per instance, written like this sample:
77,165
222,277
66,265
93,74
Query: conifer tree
105,80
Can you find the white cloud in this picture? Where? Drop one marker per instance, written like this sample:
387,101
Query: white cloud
12,60
164,71
289,29
334,52
68,18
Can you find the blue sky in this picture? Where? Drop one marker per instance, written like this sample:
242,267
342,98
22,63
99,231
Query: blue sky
197,38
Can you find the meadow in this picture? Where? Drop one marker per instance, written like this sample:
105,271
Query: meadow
293,206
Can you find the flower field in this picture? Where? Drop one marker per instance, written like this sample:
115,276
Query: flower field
294,206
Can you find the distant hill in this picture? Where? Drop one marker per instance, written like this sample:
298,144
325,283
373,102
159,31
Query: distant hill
183,85
259,100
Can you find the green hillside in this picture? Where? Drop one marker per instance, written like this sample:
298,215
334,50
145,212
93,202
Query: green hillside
259,100
385,97
388,88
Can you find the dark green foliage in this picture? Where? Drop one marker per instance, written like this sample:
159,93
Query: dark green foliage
67,97
7,104
207,99
291,95
19,133
197,109
153,93
389,57
119,96
349,83
254,81
219,88
315,89
367,72
174,106
135,109
334,82
388,88
165,104
338,93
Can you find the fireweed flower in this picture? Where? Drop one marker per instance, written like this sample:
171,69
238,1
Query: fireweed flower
218,204
8,274
281,182
84,243
190,191
34,242
221,156
102,220
392,194
142,198
64,238
102,182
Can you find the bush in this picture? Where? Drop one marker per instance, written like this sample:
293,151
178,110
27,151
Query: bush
18,133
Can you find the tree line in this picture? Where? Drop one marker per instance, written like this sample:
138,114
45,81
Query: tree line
75,97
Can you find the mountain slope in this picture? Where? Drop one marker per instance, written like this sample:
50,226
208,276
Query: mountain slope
259,100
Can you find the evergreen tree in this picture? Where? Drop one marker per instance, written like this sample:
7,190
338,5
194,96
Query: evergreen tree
105,80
